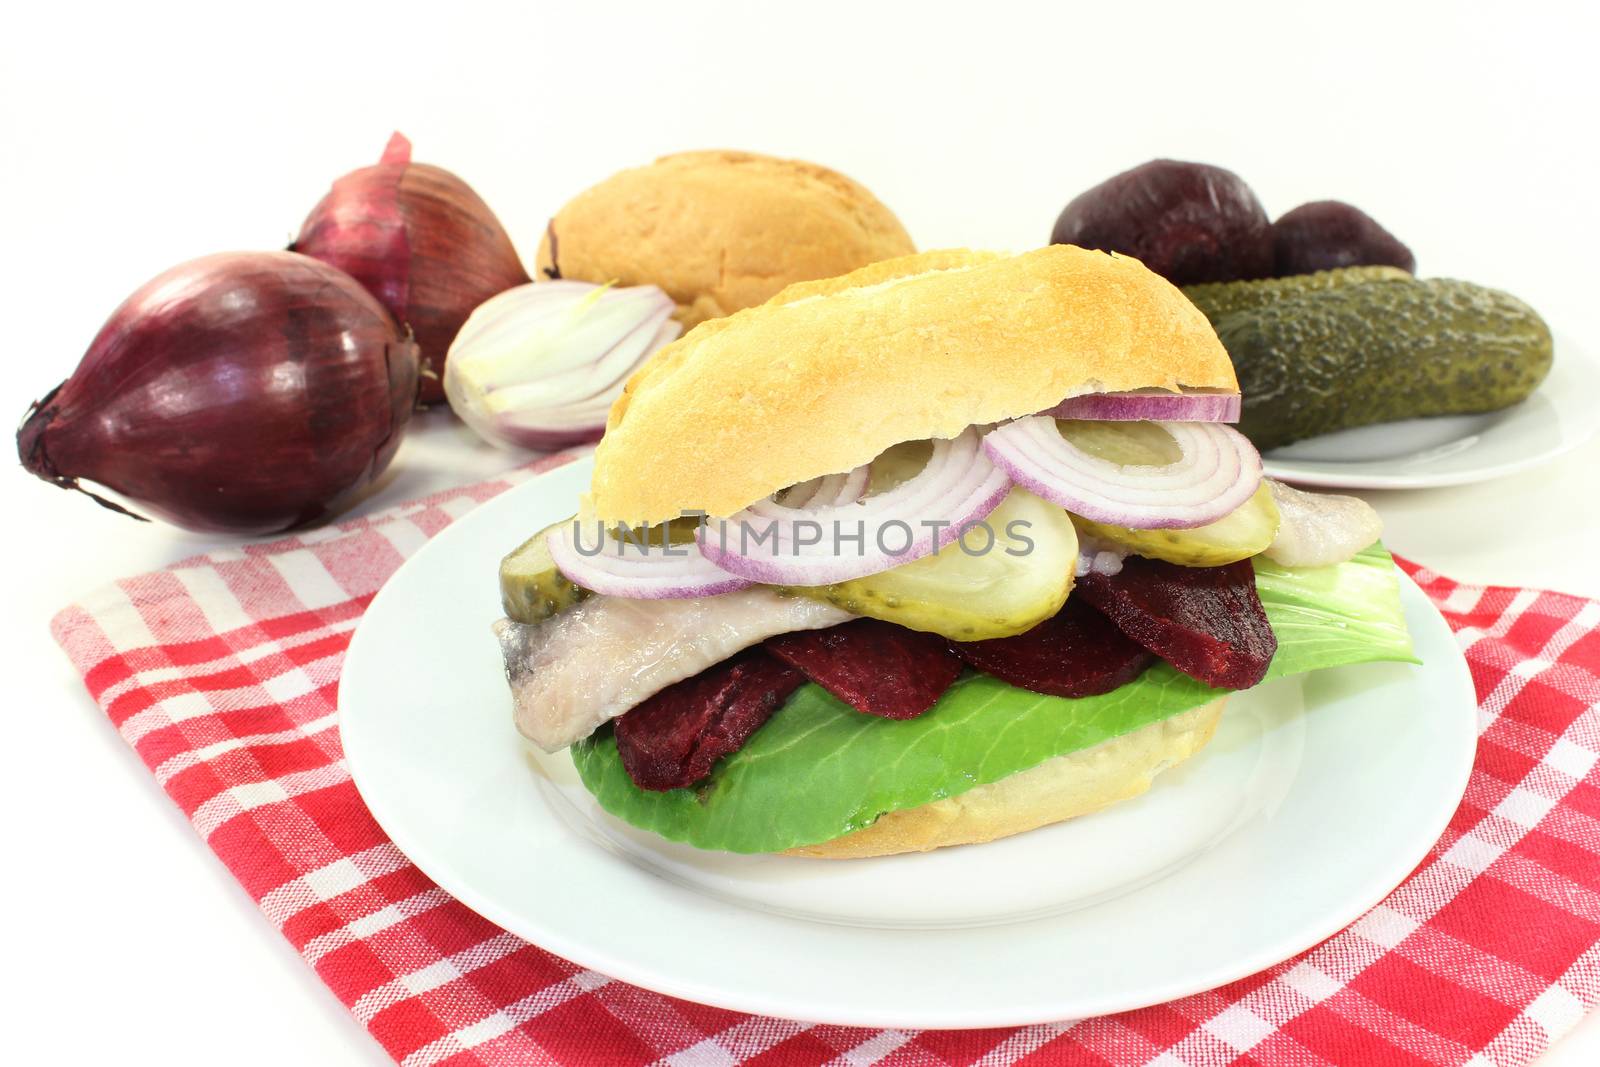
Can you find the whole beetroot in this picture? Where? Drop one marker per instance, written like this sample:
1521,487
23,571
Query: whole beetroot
1188,222
1327,234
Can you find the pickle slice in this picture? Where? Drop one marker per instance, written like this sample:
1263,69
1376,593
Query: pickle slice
972,595
531,588
1243,532
1143,444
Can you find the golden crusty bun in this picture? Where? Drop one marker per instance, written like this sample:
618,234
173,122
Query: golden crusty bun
1057,789
827,374
719,231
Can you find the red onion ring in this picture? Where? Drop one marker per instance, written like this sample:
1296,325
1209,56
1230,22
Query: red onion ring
833,490
1153,405
1217,471
959,485
625,569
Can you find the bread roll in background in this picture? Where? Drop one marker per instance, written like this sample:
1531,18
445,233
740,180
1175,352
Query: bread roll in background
719,230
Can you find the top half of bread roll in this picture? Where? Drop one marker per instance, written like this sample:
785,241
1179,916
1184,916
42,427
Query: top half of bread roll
827,374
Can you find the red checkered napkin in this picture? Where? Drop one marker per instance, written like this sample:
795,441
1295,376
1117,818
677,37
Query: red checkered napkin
222,672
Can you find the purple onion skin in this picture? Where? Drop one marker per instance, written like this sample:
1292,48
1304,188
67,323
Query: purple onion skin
421,241
1188,222
1329,234
553,440
245,393
1175,407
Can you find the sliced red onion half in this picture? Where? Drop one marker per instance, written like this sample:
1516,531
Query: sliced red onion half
959,485
1154,405
582,420
614,567
1217,471
538,366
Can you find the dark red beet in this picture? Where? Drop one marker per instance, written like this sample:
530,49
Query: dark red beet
673,739
1328,234
875,667
1206,621
1078,653
1188,222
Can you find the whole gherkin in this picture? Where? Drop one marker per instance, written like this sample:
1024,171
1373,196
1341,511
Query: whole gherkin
1322,352
1220,298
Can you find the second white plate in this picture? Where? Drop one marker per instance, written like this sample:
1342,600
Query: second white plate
1319,794
1455,449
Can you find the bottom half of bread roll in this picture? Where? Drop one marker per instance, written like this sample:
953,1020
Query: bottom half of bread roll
1057,789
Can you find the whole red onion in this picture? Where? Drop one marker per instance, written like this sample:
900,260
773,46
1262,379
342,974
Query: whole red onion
421,241
246,392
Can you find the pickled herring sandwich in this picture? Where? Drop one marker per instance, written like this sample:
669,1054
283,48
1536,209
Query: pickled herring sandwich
949,548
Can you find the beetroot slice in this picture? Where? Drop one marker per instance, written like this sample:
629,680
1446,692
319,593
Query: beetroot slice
672,739
876,667
1206,621
1078,653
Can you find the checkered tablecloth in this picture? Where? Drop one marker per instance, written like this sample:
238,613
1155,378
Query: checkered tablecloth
223,671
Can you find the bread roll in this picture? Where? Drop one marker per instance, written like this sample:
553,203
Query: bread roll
719,231
828,374
1060,788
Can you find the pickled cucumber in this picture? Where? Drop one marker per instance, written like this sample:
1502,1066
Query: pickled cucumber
1243,532
968,595
531,588
1221,298
1143,444
1335,358
896,464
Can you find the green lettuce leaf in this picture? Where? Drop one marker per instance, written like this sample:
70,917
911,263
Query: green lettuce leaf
819,769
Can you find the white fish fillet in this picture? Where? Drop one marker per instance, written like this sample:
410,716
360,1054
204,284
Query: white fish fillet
1320,529
573,672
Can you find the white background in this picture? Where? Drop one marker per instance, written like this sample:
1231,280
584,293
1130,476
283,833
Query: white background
138,136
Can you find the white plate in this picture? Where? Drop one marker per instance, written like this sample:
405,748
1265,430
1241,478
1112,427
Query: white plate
1455,449
1317,797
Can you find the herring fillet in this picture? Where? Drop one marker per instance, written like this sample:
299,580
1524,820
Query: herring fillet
1320,529
585,666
